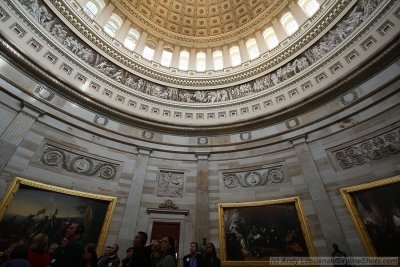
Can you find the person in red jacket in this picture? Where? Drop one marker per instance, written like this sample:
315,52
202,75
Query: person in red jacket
37,255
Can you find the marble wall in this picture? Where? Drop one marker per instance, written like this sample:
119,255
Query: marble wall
303,163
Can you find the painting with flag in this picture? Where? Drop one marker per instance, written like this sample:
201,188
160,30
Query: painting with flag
29,208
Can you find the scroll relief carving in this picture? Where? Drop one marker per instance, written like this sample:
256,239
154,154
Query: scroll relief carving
376,148
331,40
168,204
253,178
78,163
170,184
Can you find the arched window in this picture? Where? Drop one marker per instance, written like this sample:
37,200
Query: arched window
112,25
234,53
309,6
252,48
184,60
270,38
218,60
289,23
131,39
148,53
166,58
201,61
93,7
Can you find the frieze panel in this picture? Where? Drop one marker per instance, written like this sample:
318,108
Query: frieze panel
44,93
3,14
170,184
253,178
376,148
326,44
64,158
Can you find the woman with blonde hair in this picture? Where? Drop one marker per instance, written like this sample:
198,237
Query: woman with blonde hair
37,255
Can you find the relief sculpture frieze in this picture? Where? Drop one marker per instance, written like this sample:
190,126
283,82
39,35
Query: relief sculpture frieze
253,178
54,26
373,149
170,184
64,158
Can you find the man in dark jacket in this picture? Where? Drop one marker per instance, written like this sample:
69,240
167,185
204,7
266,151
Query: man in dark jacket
194,258
110,259
141,254
73,253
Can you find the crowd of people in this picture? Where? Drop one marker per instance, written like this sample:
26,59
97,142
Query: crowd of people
72,252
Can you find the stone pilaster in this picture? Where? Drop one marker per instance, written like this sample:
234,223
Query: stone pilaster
141,43
326,215
104,14
131,211
15,133
202,203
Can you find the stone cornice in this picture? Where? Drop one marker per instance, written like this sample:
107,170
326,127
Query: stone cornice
358,75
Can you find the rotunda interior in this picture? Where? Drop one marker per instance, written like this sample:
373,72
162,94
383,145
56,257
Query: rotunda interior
215,121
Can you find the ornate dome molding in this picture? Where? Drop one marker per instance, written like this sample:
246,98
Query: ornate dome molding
291,47
310,88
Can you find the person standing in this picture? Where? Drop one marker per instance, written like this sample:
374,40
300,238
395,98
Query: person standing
167,248
194,258
210,259
73,253
128,259
89,256
37,255
141,255
110,259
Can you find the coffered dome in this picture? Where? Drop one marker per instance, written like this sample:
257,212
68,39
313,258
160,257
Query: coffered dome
201,18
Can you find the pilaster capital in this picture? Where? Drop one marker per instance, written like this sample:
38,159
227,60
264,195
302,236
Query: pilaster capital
144,151
31,111
202,155
299,140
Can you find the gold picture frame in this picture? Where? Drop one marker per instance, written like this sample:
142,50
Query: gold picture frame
277,228
375,210
30,207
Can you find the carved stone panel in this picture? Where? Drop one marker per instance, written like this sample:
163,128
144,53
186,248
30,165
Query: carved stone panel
61,157
373,149
253,178
170,184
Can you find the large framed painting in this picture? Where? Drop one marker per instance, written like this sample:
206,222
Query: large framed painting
30,207
252,232
375,210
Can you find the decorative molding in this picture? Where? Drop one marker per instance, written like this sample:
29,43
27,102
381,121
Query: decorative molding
293,123
45,93
147,134
167,104
18,30
202,140
349,97
373,149
253,178
64,158
70,41
100,120
168,204
167,211
170,183
245,136
386,27
4,16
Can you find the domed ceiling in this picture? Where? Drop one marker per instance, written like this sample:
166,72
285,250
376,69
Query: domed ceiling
306,69
200,18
